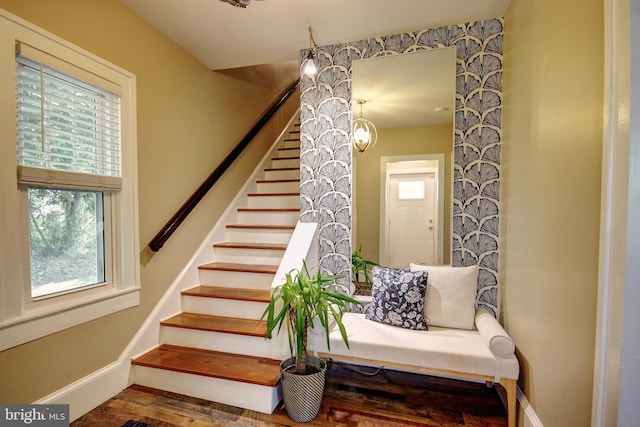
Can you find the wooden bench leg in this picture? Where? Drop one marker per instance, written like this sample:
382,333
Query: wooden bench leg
512,398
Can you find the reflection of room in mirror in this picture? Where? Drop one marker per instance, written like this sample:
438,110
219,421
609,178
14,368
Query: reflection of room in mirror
412,212
409,90
410,99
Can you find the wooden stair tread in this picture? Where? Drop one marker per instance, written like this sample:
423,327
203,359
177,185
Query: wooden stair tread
262,226
234,367
286,158
228,325
273,194
281,169
273,181
244,245
248,268
268,209
240,294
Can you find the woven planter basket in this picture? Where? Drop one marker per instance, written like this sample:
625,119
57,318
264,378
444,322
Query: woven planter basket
302,394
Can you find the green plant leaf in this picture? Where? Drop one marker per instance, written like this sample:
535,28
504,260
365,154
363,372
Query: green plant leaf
305,297
343,331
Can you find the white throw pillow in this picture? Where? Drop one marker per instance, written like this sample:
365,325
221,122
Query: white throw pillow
451,295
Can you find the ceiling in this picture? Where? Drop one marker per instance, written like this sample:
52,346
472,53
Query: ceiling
222,36
414,89
225,37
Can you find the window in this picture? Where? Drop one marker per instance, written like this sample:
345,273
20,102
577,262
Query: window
74,177
411,190
64,123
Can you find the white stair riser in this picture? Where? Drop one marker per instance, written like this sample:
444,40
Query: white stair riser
272,218
282,174
248,256
277,162
223,307
278,187
292,140
274,201
248,235
243,395
216,341
291,151
235,279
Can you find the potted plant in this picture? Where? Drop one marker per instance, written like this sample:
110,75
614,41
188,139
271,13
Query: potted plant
361,269
303,299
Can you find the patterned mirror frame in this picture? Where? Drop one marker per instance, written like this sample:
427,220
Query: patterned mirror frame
325,162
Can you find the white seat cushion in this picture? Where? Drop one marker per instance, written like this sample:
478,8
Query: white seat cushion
456,350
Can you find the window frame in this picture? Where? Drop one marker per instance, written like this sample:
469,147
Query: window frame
21,318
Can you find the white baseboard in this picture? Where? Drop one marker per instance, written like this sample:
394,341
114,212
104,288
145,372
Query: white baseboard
530,417
92,390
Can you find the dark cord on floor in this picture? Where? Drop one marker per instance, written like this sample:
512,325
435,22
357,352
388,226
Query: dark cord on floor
350,367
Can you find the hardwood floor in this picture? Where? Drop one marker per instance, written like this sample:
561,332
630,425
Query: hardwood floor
389,398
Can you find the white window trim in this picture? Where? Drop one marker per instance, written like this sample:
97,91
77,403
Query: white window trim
22,320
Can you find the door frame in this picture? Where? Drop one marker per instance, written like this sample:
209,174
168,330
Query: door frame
439,159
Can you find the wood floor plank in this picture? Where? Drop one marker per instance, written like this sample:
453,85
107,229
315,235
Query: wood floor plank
350,399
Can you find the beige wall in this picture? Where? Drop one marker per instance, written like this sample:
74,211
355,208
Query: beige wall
397,142
551,161
189,118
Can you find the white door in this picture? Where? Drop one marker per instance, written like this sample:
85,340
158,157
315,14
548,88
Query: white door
412,222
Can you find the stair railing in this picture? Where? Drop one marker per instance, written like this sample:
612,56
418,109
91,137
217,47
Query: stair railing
181,214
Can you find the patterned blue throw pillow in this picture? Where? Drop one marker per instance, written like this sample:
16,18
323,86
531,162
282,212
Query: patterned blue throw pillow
398,297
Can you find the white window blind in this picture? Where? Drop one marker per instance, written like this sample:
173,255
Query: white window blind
68,128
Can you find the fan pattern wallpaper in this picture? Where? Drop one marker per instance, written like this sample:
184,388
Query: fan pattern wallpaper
325,169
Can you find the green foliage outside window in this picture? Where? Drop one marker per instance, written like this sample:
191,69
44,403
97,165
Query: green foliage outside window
66,239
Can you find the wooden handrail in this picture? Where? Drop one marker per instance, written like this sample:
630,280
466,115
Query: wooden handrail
170,227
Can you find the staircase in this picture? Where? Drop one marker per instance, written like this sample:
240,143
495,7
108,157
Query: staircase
215,348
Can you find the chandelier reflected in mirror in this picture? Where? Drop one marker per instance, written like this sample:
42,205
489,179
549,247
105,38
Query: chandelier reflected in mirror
363,134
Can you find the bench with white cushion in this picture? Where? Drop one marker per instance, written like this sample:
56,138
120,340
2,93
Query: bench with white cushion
477,348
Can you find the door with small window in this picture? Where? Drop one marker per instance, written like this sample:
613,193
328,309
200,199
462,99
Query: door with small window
412,221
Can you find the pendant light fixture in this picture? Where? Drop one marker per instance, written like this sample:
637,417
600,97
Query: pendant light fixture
309,67
364,134
238,3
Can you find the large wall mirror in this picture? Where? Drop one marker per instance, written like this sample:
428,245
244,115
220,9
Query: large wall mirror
326,155
401,187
